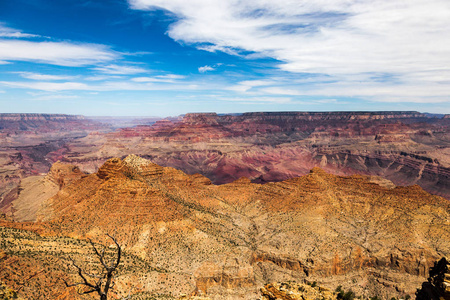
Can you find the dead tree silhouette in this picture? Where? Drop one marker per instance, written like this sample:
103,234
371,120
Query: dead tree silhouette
103,280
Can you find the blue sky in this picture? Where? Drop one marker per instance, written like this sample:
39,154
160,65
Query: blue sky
169,57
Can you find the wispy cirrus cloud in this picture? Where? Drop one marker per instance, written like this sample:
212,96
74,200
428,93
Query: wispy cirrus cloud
208,68
318,36
246,85
8,32
101,86
47,77
47,86
168,78
102,77
16,45
120,69
406,41
55,53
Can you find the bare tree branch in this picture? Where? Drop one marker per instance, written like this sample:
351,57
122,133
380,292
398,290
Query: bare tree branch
119,251
105,278
100,256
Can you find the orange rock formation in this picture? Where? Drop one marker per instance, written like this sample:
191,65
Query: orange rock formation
354,231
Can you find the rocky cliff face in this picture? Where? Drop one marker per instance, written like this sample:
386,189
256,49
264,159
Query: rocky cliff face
26,141
438,285
295,291
359,231
227,241
39,121
405,147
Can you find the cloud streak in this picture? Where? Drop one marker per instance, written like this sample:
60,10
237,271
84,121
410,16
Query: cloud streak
14,33
46,77
120,70
105,86
55,53
405,40
205,69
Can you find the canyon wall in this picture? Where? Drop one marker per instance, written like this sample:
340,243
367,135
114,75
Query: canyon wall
405,147
229,240
26,142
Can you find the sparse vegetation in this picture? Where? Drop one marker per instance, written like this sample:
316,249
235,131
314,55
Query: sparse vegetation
349,295
103,280
34,264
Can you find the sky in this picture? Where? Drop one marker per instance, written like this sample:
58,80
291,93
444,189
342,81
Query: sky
170,57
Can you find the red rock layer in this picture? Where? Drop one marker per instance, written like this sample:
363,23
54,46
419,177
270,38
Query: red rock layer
316,226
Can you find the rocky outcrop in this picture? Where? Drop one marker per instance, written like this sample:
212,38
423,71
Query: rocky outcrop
283,262
62,174
42,122
220,126
438,285
229,276
295,291
359,231
26,141
38,117
405,147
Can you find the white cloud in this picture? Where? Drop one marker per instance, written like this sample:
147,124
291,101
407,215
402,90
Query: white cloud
343,39
14,33
47,86
168,78
246,85
205,69
120,70
171,76
215,48
98,86
379,92
101,77
55,53
37,76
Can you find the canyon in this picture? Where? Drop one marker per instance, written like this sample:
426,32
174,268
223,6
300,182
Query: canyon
404,147
220,205
183,235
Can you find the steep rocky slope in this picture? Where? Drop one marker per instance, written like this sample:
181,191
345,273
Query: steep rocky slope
437,286
33,266
295,291
405,147
25,143
224,241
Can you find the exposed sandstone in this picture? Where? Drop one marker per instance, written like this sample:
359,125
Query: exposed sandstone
62,174
30,143
295,291
404,147
234,238
438,285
